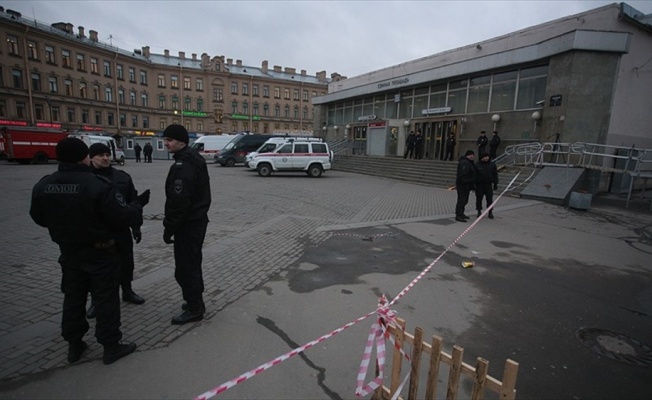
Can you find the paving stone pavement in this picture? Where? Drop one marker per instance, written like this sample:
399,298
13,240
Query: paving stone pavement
258,227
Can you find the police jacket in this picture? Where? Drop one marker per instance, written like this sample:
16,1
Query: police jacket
187,190
81,208
411,139
465,173
487,173
122,182
482,141
495,141
450,143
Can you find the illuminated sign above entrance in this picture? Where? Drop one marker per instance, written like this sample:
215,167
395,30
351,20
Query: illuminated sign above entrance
439,110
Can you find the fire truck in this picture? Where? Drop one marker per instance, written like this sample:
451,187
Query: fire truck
29,144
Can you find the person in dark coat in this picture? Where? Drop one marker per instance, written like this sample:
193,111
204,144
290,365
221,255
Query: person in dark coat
100,156
82,211
485,184
450,147
147,152
410,142
464,183
188,198
482,142
493,146
137,150
418,146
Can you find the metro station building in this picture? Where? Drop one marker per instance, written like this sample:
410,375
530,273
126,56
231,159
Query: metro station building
583,78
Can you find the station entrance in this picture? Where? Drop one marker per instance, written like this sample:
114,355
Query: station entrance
434,137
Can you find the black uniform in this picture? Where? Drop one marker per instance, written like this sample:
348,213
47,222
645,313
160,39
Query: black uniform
124,243
493,146
82,212
482,143
486,181
188,198
410,142
147,152
137,150
465,182
418,146
450,148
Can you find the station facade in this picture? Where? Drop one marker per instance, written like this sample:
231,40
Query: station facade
583,78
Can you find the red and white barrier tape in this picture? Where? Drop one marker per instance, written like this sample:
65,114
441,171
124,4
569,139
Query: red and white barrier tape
378,331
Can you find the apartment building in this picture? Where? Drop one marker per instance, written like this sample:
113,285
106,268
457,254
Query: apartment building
53,75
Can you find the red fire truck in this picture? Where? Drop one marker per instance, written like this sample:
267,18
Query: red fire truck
29,144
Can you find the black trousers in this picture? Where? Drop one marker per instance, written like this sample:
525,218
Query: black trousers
462,199
410,151
86,269
492,152
449,154
125,246
138,156
188,242
484,190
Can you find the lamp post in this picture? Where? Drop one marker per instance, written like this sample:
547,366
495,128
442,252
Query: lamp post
325,130
336,128
536,116
346,132
495,118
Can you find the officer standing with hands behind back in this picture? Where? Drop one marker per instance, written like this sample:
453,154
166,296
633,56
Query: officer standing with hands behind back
188,198
82,212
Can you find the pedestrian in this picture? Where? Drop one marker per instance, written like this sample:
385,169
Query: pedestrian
410,141
450,147
418,145
188,198
485,184
493,145
100,156
464,183
82,211
137,150
482,142
147,152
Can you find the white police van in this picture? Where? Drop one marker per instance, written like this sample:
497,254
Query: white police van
295,155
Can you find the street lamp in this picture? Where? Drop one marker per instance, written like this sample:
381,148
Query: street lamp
536,116
346,132
495,118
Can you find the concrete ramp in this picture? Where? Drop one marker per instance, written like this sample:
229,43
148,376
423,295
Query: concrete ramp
554,184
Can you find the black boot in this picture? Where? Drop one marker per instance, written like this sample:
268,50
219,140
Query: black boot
115,352
479,213
491,215
129,296
75,350
192,312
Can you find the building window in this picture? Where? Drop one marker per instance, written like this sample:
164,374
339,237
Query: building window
119,71
134,121
85,117
67,83
187,84
245,89
98,117
296,94
162,124
12,45
234,87
161,101
39,112
145,122
174,82
108,94
218,116
305,95
218,94
107,69
143,77
245,107
161,80
132,75
200,105
49,55
94,67
121,96
110,118
123,120
265,91
53,84
234,126
175,103
266,109
81,63
56,113
82,90
296,112
199,85
186,103
234,107
96,91
255,90
71,114
255,109
132,98
305,113
277,110
286,111
200,126
32,50
531,86
17,76
3,108
144,101
21,109
65,59
36,81
277,92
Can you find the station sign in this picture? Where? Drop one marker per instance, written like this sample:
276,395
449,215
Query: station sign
439,110
367,118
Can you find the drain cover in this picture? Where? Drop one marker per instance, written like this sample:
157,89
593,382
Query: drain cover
615,346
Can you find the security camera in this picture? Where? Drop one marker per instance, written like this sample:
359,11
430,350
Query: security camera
540,102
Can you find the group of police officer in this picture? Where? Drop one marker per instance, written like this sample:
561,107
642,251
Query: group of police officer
92,211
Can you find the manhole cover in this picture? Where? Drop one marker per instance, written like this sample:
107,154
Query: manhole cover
615,346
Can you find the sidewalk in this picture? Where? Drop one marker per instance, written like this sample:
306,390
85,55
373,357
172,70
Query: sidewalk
289,258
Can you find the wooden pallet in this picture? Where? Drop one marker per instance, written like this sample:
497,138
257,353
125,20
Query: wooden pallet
506,389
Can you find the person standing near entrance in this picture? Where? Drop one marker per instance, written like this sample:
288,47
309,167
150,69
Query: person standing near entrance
450,147
482,142
188,198
464,182
137,150
409,150
493,145
485,184
418,145
147,152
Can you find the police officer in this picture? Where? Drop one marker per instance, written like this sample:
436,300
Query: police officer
464,182
82,211
100,156
188,198
482,142
486,182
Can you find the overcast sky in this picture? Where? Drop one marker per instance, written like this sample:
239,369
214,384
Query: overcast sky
348,37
